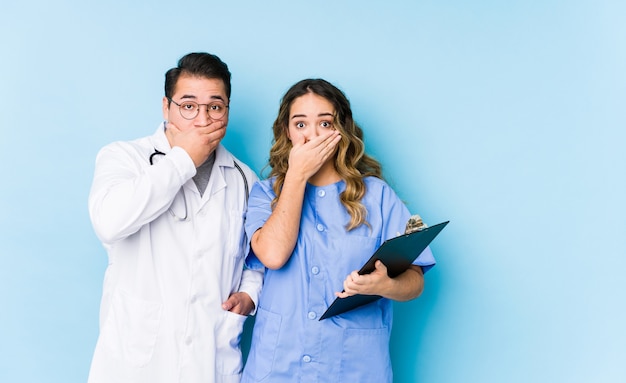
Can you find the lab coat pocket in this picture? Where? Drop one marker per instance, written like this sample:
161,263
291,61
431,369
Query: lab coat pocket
228,335
365,356
130,330
264,341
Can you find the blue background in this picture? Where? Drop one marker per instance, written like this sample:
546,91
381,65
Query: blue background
506,118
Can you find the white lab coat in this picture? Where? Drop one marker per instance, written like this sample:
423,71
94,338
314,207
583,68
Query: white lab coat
161,318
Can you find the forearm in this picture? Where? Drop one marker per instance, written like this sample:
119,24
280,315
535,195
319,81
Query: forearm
274,242
406,286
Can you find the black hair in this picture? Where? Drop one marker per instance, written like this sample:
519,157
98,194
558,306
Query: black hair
199,64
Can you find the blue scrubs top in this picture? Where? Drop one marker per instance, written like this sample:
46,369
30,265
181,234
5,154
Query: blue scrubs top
289,343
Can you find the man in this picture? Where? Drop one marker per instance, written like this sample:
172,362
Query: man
169,209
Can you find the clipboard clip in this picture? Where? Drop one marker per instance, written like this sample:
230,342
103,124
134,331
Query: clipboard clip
414,224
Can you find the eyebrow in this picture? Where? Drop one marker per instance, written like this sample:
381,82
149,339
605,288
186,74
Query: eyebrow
191,96
319,115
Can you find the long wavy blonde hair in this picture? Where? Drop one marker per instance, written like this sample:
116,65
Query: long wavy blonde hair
351,161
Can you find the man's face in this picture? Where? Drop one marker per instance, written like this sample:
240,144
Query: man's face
191,91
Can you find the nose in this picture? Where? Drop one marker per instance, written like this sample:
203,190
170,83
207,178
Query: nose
312,132
203,118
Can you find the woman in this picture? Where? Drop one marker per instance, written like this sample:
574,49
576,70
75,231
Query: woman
322,213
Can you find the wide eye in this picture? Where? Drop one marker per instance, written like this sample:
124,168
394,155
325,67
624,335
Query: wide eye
216,107
299,125
326,124
188,106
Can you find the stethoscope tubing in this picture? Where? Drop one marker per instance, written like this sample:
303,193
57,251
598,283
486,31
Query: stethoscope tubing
157,152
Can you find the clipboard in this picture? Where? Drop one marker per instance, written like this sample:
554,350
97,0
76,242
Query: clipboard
397,254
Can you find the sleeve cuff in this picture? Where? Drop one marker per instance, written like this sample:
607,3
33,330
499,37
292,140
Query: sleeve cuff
251,283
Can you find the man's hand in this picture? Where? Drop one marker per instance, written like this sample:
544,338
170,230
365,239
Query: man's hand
239,303
199,142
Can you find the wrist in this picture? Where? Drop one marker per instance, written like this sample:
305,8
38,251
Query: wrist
295,177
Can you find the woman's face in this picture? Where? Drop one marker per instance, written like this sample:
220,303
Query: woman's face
310,115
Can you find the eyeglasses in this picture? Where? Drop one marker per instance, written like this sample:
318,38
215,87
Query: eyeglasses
190,109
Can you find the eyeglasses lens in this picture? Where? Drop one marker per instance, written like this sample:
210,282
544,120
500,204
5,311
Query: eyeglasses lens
190,109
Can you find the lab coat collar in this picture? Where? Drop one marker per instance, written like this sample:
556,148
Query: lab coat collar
223,159
159,140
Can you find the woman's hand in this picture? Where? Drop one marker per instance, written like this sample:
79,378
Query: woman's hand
367,284
406,286
274,242
307,157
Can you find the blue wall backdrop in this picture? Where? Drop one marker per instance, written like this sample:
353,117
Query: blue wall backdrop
506,118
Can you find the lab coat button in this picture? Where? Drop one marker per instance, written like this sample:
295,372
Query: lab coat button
188,341
306,359
312,315
320,227
315,270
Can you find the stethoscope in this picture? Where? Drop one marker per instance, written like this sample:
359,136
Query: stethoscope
157,152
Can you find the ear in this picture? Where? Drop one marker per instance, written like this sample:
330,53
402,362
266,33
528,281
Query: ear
166,109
